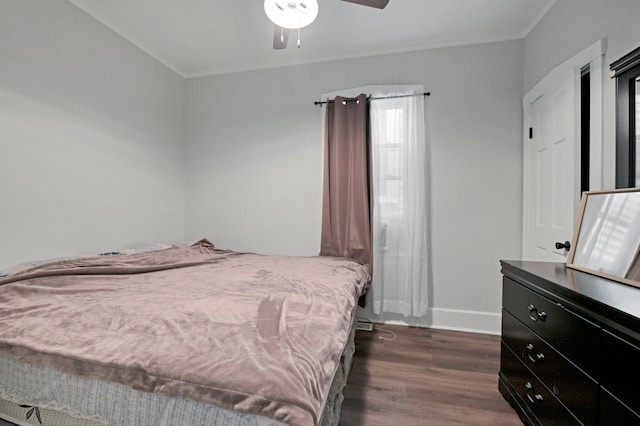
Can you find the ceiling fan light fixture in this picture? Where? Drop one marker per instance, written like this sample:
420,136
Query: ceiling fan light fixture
291,14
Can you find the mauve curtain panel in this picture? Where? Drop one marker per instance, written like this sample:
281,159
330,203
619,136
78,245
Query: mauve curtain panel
346,225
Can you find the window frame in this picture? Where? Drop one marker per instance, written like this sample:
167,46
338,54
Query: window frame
626,71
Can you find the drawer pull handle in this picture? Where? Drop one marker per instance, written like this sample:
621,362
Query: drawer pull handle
533,312
532,396
532,355
535,315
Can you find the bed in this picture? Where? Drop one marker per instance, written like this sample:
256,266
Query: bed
182,335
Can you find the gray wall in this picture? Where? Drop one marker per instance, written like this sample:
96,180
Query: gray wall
255,158
568,28
93,131
92,144
91,137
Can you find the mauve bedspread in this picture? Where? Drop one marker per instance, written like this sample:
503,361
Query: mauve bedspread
251,333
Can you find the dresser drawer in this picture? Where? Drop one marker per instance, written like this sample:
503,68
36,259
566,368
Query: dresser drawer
576,390
621,369
539,402
613,412
571,335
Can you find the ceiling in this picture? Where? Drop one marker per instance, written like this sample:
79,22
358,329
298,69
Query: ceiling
203,37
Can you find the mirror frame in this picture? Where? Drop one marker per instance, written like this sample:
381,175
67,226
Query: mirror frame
576,234
625,70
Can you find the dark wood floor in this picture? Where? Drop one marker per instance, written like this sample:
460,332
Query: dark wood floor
425,377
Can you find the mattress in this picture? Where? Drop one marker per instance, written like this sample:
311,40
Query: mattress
196,334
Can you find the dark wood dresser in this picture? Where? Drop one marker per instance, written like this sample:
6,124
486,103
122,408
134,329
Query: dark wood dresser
570,346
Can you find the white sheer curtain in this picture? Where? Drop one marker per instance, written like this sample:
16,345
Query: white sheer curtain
400,218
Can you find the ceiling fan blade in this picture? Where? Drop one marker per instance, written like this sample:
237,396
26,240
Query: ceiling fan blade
280,37
378,4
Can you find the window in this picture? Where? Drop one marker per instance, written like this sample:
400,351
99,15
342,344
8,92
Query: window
391,154
626,70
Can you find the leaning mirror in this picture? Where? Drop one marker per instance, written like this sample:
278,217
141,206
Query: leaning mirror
606,241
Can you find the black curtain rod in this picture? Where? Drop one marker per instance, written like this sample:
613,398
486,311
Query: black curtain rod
369,98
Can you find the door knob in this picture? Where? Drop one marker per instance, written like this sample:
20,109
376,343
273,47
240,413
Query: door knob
566,245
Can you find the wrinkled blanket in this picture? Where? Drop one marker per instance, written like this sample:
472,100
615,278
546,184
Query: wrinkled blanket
251,333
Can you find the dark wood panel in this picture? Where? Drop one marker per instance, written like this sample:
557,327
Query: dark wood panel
572,387
511,396
614,412
607,302
425,377
541,405
599,329
556,325
620,372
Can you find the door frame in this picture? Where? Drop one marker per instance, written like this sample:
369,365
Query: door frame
594,57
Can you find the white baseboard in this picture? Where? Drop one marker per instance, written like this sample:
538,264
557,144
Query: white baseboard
456,320
471,321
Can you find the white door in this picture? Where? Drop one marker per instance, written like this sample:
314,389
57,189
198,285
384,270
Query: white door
551,187
552,157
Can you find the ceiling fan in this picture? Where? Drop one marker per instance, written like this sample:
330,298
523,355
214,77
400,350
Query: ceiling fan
295,14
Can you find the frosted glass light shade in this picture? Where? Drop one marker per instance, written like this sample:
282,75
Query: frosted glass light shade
291,14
